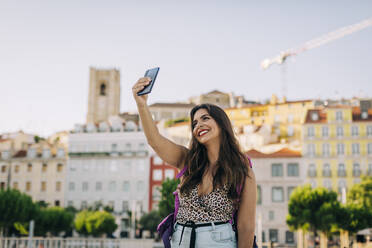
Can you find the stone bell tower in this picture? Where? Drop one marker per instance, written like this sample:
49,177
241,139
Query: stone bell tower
104,94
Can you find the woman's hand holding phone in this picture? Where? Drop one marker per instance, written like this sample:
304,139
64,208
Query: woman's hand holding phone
137,87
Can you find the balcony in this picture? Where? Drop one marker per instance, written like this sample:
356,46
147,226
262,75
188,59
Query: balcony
341,173
327,173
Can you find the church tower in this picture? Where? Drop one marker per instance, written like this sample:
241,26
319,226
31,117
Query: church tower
104,94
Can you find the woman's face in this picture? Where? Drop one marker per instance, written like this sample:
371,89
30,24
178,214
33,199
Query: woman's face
205,128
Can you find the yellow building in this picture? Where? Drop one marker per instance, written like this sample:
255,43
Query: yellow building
337,145
38,171
285,117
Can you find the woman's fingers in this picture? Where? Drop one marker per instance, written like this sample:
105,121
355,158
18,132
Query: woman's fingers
141,83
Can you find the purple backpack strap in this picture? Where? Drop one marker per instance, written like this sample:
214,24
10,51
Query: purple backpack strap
175,193
239,189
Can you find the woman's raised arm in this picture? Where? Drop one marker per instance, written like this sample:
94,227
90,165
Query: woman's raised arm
168,151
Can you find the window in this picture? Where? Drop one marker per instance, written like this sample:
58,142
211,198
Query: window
327,170
290,118
326,150
84,204
126,186
44,167
112,186
325,131
273,235
15,185
16,169
263,236
355,148
290,190
354,131
289,237
312,170
327,183
169,173
277,194
259,195
59,167
271,215
341,172
340,131
29,167
313,184
340,149
28,186
157,160
2,185
56,203
102,89
292,170
369,148
125,206
3,169
276,170
157,175
311,149
43,186
369,130
58,186
140,186
356,170
341,185
290,131
310,132
85,186
156,194
98,186
70,203
369,170
71,186
114,147
338,115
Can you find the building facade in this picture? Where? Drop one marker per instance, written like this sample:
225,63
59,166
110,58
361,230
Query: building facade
109,164
38,171
170,111
277,175
337,146
159,171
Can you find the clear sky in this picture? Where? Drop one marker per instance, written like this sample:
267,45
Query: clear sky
47,47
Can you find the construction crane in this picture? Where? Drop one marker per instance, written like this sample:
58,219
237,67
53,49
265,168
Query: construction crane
282,57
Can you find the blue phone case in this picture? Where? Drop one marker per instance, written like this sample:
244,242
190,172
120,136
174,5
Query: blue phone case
151,73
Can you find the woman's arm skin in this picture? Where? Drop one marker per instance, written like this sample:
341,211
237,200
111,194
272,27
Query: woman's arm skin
170,152
247,212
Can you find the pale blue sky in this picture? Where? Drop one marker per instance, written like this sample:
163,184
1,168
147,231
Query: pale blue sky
47,47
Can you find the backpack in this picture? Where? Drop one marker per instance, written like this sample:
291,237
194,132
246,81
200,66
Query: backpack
165,228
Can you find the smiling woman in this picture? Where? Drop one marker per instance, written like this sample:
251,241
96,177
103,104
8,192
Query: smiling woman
217,184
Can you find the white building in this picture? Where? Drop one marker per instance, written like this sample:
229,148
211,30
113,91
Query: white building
109,164
277,175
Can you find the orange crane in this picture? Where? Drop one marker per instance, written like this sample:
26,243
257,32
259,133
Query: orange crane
314,43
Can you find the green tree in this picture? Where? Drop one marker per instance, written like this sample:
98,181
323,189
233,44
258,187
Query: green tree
166,204
95,223
15,207
357,214
361,194
150,221
312,209
54,220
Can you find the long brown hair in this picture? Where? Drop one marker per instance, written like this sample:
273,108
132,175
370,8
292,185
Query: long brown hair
231,166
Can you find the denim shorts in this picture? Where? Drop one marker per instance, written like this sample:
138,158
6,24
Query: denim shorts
207,236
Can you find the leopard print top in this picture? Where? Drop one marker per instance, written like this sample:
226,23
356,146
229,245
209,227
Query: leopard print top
215,206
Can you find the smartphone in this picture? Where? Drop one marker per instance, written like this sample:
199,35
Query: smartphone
151,73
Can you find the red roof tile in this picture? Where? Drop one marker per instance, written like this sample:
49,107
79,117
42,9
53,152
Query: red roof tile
283,153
